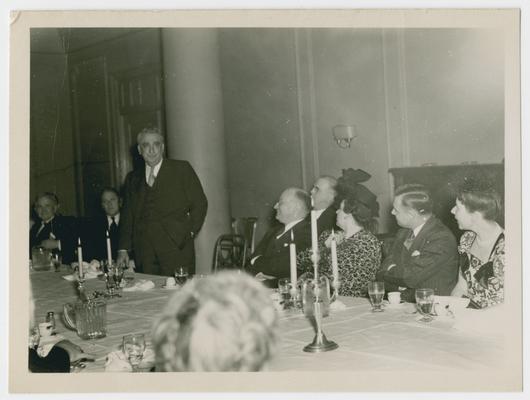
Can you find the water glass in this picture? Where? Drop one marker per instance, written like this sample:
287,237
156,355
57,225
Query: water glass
424,303
133,348
376,291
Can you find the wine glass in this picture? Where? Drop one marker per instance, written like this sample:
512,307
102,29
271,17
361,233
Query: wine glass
117,275
133,348
424,303
181,276
376,291
284,288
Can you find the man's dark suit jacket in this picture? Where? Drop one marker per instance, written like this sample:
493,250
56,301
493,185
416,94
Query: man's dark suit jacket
177,212
64,229
327,220
430,262
94,234
274,253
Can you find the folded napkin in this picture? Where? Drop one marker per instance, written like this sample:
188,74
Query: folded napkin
117,361
75,277
141,285
46,343
337,305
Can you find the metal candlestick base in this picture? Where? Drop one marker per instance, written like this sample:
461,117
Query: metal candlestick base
320,344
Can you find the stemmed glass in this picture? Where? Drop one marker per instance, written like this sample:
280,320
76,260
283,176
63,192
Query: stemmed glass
376,291
133,348
424,302
181,276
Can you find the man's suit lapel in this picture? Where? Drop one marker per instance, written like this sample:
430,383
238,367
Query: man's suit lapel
419,240
140,184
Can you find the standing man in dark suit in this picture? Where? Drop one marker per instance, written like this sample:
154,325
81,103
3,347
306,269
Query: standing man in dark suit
424,254
323,194
164,209
271,257
98,227
51,231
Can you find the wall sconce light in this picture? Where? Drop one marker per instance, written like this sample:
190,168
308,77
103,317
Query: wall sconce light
343,135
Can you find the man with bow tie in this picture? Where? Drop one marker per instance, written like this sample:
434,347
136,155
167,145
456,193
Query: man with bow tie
164,209
271,258
51,231
424,254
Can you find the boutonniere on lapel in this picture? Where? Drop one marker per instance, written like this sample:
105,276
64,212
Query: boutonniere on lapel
415,253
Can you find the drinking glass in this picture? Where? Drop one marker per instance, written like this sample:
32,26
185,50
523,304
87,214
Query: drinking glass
424,303
117,275
181,276
376,291
133,348
284,288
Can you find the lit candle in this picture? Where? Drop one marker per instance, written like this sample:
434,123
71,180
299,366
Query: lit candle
109,251
314,238
80,258
292,259
334,262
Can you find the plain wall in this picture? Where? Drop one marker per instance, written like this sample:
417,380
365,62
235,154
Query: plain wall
52,155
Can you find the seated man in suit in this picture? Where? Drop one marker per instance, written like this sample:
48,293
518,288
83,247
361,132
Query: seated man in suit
323,194
424,254
108,221
271,257
51,231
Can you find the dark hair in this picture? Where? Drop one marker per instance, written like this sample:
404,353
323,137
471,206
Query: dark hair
486,201
304,198
417,197
49,195
360,212
109,189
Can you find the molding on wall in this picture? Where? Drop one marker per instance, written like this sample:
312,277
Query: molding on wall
312,100
403,97
384,44
299,104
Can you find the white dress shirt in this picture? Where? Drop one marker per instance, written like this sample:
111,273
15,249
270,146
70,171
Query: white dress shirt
156,168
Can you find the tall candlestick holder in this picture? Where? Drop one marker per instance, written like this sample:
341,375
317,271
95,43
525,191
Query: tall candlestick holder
315,302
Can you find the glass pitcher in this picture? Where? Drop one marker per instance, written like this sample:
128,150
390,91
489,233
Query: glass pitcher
41,259
89,319
312,291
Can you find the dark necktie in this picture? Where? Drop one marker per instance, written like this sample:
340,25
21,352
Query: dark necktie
408,241
113,227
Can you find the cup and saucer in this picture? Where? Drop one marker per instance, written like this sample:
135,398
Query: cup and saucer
394,300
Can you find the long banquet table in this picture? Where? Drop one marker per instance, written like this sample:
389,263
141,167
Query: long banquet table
370,341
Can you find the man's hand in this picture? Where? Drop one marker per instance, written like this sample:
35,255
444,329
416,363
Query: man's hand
50,244
123,258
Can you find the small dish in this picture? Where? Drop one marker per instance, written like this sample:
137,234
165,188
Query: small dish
170,287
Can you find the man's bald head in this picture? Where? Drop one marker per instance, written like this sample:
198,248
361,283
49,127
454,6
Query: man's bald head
293,204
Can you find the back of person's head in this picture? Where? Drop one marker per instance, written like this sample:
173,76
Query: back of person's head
485,200
303,201
416,197
224,322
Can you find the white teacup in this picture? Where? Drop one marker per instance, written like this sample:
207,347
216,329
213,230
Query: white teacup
394,298
170,282
45,329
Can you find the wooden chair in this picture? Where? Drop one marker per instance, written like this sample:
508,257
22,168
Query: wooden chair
230,252
246,226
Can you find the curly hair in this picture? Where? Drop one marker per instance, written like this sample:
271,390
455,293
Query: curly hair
360,212
224,322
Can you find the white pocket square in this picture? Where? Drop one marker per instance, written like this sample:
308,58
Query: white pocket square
415,253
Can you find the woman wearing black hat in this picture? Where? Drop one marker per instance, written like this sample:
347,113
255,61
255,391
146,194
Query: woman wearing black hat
358,250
